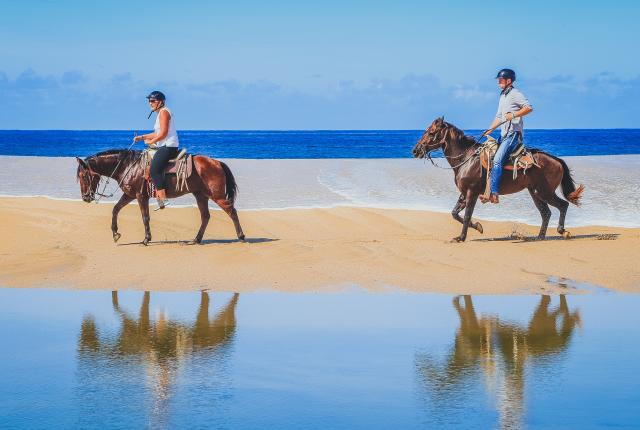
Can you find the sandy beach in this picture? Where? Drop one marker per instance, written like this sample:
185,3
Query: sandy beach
51,243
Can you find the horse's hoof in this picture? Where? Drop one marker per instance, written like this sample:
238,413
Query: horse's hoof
479,227
242,239
146,242
193,242
116,236
566,235
457,239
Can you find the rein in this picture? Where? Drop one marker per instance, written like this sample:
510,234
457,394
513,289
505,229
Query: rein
454,157
465,161
442,144
104,187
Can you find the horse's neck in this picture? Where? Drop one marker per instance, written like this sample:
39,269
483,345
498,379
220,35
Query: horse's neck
106,165
455,150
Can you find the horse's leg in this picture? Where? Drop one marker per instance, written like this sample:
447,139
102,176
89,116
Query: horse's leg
124,200
143,202
562,205
462,203
203,206
228,207
455,212
471,199
545,212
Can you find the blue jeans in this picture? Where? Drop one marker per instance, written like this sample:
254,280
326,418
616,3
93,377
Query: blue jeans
507,146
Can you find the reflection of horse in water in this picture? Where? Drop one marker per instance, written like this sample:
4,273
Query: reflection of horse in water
163,339
161,346
500,351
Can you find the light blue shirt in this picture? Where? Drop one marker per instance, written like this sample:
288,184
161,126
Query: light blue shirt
511,100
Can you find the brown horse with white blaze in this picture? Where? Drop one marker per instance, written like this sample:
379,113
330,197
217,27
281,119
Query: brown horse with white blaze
211,179
461,152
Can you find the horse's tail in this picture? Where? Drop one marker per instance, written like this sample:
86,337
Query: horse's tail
569,189
232,186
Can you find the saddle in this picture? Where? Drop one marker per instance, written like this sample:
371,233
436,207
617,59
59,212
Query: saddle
520,159
181,166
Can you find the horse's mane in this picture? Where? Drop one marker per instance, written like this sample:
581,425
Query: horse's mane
126,152
467,141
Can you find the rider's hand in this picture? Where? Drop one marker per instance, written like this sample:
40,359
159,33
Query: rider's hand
487,132
138,138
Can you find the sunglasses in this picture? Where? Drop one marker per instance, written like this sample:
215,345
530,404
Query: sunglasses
153,101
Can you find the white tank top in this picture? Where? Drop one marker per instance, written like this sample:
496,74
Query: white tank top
171,140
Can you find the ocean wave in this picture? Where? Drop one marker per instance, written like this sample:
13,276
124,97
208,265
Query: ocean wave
407,184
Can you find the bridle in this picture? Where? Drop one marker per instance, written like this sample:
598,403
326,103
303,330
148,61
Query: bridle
443,144
87,175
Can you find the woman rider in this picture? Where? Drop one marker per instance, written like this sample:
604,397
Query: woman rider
165,139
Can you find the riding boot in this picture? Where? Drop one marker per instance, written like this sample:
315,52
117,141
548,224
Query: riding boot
486,197
161,197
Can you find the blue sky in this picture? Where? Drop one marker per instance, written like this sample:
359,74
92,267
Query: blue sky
315,65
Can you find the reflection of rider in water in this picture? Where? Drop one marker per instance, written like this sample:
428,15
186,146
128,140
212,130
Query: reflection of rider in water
159,346
513,105
501,350
165,138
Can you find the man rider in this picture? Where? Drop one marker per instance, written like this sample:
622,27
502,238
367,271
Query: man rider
512,106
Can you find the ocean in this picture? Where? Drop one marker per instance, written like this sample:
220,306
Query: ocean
303,144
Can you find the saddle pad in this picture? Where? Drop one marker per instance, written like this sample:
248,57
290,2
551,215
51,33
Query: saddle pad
524,162
172,168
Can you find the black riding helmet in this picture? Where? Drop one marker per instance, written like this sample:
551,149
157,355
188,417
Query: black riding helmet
156,95
506,74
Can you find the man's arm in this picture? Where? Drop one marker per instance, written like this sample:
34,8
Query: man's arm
523,103
496,122
525,110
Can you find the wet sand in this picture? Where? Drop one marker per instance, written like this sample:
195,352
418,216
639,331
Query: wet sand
610,199
51,243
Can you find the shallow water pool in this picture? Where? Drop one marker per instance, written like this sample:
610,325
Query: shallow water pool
101,359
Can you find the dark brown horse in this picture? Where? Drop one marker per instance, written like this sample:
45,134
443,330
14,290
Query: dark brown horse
470,178
211,179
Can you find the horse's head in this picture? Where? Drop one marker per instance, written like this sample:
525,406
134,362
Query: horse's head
432,138
88,179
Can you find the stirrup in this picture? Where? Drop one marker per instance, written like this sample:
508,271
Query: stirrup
161,204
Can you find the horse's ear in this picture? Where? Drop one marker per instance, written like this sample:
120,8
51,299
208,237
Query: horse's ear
82,162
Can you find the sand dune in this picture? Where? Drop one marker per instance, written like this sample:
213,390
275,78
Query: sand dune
68,244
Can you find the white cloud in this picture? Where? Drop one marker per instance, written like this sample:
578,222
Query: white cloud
76,101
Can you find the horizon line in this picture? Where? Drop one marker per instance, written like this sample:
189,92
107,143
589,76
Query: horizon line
301,129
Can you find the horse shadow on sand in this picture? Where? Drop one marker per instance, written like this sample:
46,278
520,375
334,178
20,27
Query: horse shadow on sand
248,240
521,238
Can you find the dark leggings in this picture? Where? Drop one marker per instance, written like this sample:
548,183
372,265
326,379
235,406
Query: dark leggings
159,162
